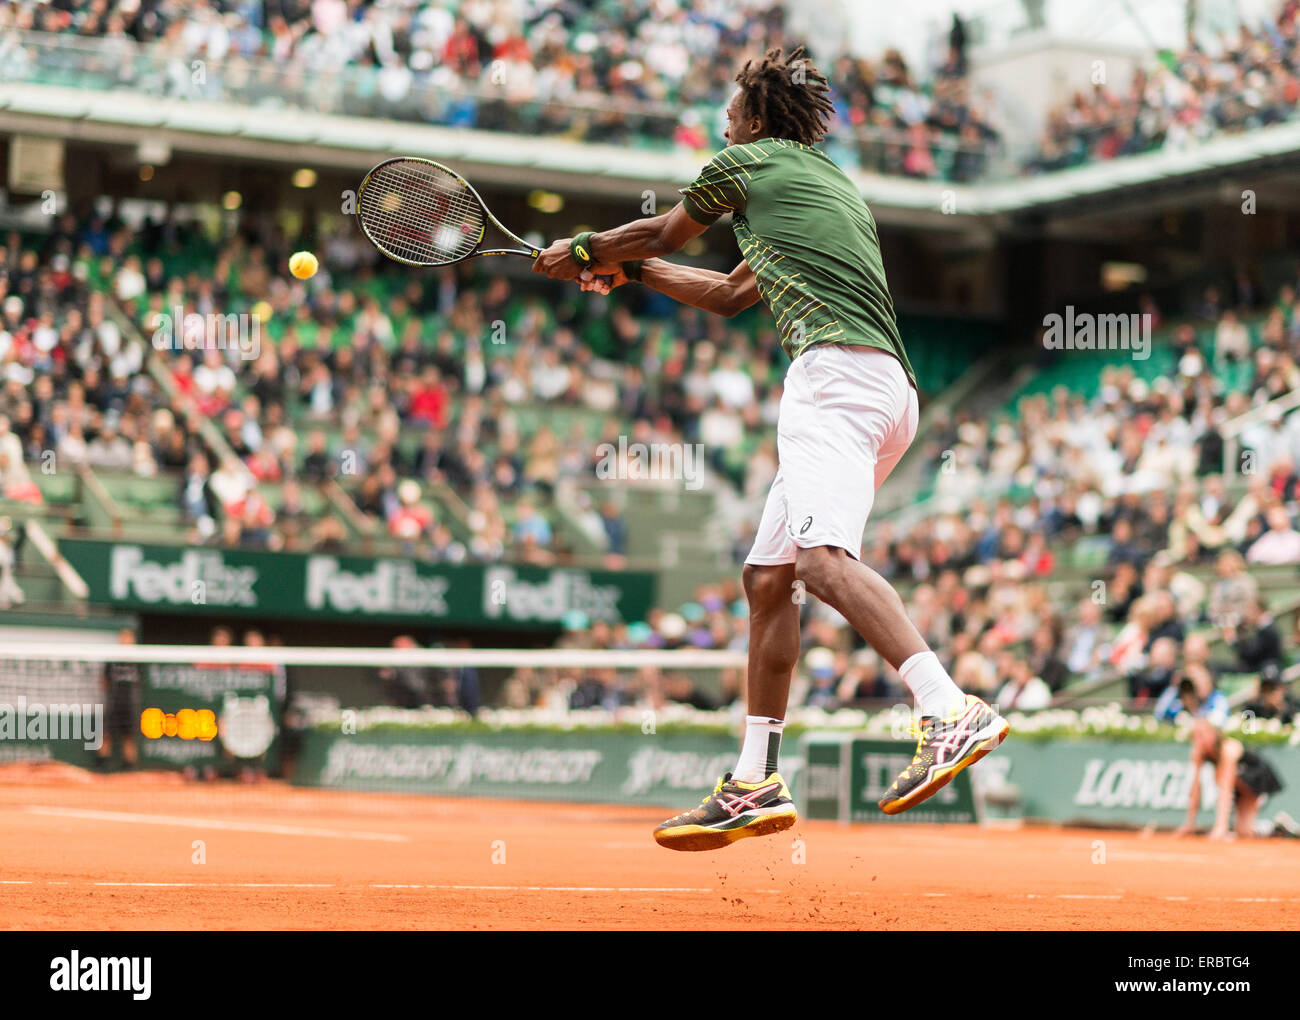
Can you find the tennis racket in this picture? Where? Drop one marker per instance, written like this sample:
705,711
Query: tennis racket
421,213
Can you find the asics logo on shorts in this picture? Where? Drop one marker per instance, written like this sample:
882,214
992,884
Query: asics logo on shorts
806,525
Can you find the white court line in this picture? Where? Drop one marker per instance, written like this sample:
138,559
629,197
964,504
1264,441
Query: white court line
150,885
558,888
570,888
213,885
282,885
603,888
212,823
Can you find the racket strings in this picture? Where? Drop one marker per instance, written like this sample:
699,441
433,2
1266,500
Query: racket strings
419,213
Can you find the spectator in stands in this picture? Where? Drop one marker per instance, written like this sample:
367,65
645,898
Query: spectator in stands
1272,700
1196,652
461,684
109,451
197,501
71,449
1195,694
1231,339
973,670
590,690
1279,544
316,464
1085,644
1164,619
1023,691
405,686
410,519
1232,592
615,527
1255,640
820,666
10,593
680,689
15,481
531,525
864,681
1123,548
1128,652
1159,672
121,707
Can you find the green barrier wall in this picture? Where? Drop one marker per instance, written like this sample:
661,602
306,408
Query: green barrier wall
664,769
1120,782
245,702
192,715
845,776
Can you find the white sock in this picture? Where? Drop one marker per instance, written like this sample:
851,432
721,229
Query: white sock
759,753
931,686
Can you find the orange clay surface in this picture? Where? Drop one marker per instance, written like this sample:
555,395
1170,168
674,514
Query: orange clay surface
89,852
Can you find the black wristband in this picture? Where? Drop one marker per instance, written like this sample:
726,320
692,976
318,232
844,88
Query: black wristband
580,249
632,270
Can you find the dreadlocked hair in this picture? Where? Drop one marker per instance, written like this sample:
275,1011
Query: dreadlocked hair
788,94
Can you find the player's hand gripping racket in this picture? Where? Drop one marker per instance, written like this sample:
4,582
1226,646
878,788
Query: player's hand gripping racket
422,213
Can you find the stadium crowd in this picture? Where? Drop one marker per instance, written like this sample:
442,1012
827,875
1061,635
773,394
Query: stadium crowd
1250,82
1134,477
389,394
621,73
74,390
602,72
386,385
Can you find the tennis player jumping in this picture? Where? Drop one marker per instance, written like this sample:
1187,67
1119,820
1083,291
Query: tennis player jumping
847,415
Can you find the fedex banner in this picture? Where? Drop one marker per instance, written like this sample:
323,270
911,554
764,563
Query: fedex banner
179,579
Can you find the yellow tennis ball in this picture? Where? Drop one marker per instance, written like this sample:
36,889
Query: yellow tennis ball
303,264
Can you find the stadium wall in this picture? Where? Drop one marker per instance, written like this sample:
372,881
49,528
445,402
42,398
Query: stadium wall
836,775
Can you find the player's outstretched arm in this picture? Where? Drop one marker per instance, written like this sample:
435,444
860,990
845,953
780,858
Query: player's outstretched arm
641,239
719,293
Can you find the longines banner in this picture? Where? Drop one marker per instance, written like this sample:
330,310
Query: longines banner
228,582
1090,781
1123,782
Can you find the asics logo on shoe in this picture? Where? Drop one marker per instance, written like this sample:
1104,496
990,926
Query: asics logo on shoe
953,739
744,802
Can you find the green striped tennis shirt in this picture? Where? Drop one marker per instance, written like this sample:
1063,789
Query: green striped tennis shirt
809,239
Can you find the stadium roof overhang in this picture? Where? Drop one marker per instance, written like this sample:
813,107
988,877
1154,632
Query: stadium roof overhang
304,139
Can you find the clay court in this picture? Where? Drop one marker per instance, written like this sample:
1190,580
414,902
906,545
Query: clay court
89,852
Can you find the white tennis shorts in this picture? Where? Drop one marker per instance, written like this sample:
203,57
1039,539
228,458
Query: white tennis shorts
848,414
